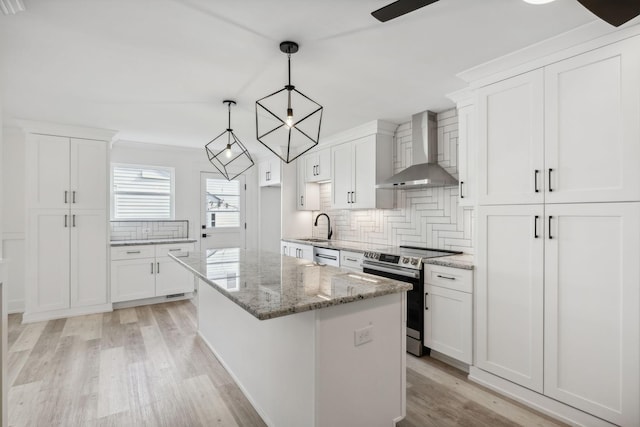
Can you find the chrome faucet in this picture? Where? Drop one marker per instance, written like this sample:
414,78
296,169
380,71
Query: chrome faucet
330,233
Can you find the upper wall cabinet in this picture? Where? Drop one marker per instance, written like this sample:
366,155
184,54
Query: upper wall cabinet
592,126
308,196
467,146
270,172
511,140
318,165
357,166
568,132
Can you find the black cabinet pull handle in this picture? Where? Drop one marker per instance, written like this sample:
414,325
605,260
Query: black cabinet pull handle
425,301
73,196
550,170
461,184
151,268
65,195
301,200
535,180
550,236
65,221
445,277
353,199
535,227
73,220
158,267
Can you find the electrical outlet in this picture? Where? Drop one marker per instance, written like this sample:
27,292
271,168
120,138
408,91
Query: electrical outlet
146,230
363,335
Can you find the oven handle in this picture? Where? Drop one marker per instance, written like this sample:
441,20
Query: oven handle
372,266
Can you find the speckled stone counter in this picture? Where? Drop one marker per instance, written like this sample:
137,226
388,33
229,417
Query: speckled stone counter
269,285
115,243
463,261
343,245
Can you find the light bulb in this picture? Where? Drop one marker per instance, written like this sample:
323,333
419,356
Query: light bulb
227,151
289,120
538,1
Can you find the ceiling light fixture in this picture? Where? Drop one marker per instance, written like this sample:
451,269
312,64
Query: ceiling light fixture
292,131
538,1
11,7
231,159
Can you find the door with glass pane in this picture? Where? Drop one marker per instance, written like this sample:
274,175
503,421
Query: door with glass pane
222,212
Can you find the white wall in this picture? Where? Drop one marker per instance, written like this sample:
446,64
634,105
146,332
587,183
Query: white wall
13,214
188,163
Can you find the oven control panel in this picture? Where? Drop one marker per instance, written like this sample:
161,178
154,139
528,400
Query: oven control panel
395,260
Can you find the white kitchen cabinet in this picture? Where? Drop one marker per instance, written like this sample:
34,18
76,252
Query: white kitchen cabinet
509,293
510,140
467,178
592,130
357,166
351,260
146,271
66,195
308,197
318,165
297,250
592,306
270,172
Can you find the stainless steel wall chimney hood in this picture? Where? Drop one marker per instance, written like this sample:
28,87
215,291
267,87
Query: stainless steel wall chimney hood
425,172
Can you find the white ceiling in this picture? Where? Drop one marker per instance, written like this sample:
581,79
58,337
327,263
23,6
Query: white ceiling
158,70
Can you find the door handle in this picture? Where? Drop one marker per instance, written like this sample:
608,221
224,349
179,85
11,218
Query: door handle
73,196
535,180
65,196
151,268
65,221
157,267
133,252
348,195
426,307
550,170
550,236
461,184
353,199
535,227
73,220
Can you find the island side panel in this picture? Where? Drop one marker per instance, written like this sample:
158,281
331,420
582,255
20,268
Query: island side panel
363,385
271,360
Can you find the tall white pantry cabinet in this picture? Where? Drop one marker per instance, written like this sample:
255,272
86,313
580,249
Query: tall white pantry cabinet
558,275
67,230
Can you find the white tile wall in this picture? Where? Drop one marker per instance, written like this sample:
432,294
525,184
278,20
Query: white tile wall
423,217
149,230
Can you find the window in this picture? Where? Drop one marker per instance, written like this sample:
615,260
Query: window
142,192
223,203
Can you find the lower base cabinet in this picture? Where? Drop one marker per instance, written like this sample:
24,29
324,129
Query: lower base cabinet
146,271
297,250
448,323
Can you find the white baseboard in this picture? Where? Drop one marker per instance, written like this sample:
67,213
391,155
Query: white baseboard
149,301
59,314
449,361
537,401
16,306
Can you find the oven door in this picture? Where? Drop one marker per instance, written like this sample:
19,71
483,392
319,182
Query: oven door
415,308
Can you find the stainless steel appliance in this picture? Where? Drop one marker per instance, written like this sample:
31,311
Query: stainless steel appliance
405,264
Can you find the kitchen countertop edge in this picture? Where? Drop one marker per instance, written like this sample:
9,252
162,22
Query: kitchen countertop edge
116,243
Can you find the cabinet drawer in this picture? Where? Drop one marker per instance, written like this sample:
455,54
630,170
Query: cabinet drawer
351,260
132,252
450,278
164,250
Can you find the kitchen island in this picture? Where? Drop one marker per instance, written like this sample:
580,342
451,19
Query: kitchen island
309,345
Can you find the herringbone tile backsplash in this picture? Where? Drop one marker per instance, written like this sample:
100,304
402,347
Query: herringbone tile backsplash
423,217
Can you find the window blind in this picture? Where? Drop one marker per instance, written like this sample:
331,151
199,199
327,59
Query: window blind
142,192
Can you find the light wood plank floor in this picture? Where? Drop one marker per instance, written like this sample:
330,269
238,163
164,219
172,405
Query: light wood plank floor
145,366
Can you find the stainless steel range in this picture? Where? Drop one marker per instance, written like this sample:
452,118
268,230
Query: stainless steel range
405,264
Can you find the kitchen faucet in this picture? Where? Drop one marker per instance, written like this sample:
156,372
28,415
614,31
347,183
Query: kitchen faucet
330,233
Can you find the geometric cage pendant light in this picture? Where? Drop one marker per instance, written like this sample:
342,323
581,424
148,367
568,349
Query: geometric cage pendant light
287,121
228,155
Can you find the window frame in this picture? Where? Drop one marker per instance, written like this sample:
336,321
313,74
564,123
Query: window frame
172,191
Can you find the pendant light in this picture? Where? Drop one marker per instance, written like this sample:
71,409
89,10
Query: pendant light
287,121
228,155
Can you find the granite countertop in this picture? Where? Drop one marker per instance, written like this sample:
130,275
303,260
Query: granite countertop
463,261
269,285
150,242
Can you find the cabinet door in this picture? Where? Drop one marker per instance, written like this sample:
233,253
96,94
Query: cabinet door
133,279
509,293
88,174
275,172
306,252
48,265
310,162
592,306
323,171
172,278
592,111
364,173
89,259
467,179
447,322
284,248
510,140
342,169
308,197
48,179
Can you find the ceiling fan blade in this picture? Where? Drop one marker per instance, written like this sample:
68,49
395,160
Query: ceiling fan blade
615,12
399,8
